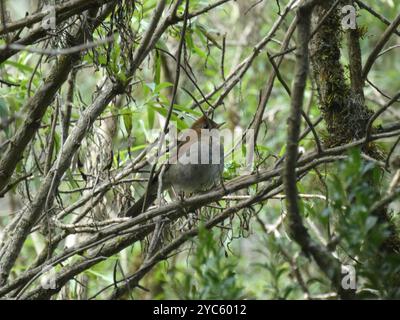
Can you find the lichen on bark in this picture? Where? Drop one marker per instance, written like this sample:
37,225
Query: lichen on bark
341,100
343,109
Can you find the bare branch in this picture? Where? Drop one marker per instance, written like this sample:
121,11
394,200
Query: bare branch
379,46
60,9
329,265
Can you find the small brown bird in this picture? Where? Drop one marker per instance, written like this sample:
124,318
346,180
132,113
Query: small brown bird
198,166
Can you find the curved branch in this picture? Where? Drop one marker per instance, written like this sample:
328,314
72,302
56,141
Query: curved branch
327,263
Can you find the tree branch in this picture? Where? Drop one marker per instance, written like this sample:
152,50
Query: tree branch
329,265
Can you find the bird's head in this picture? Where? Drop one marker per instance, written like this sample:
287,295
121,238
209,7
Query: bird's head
205,123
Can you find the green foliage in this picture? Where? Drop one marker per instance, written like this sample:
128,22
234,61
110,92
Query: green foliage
210,273
353,190
265,265
275,271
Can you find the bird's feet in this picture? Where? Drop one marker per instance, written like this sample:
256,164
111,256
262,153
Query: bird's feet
221,182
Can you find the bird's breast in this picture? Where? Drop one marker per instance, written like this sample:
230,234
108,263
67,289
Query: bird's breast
199,166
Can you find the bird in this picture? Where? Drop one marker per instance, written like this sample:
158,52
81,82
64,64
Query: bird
189,170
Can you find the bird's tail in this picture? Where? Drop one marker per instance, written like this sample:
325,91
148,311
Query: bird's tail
139,206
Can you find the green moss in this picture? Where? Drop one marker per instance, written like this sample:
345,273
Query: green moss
345,114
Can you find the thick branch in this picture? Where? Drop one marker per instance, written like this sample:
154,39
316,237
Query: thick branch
326,262
355,62
45,196
36,107
75,5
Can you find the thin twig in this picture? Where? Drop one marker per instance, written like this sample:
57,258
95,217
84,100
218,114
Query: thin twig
305,116
58,52
376,14
171,106
376,115
380,44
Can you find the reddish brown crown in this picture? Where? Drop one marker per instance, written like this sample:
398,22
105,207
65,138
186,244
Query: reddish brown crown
204,123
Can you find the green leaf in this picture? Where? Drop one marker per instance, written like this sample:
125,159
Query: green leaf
127,117
102,60
4,115
187,110
19,66
157,68
137,148
162,85
200,53
283,150
180,123
100,275
150,117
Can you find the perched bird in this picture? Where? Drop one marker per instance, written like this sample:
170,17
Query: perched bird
197,165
